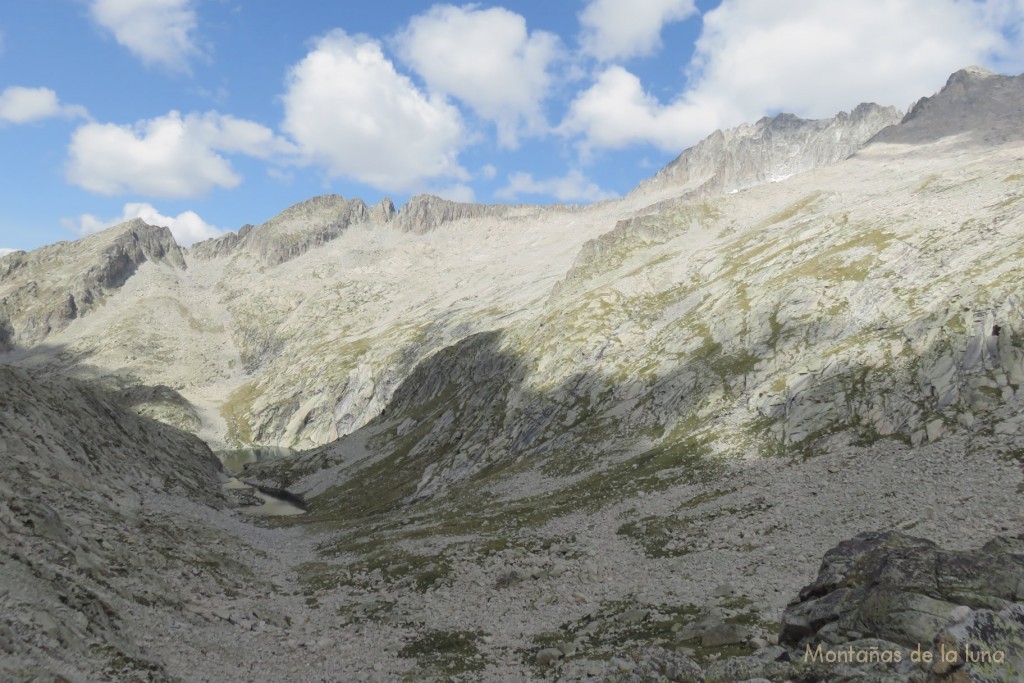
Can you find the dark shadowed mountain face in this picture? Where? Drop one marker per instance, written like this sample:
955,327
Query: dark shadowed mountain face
546,443
84,526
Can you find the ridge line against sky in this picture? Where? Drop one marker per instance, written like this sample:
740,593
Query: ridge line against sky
203,115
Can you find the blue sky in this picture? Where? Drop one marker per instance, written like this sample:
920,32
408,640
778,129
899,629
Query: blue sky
204,115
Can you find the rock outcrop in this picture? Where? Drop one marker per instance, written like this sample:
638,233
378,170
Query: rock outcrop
886,608
898,593
770,150
986,107
425,212
42,291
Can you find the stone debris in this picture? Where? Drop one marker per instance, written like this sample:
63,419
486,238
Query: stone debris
546,443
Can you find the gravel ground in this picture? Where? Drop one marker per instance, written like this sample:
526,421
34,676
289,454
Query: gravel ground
751,549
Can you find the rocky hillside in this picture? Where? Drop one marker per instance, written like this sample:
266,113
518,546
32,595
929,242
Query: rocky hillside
85,529
300,296
598,444
770,150
873,299
43,291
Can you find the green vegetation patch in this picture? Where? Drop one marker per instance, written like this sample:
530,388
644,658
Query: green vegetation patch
798,207
236,411
124,664
443,653
402,568
655,533
676,461
835,263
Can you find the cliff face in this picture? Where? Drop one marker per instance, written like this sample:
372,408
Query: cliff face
42,291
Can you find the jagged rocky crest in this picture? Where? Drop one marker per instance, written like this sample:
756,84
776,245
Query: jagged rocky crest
987,107
424,213
319,220
42,291
291,233
545,443
772,149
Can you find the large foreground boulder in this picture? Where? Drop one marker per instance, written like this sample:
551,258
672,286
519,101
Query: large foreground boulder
885,608
956,615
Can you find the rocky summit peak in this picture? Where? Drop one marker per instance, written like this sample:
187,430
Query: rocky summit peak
42,291
772,149
291,233
983,107
971,72
322,202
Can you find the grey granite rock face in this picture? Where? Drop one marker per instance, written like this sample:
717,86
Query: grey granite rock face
78,534
425,212
291,233
42,291
772,149
382,212
985,107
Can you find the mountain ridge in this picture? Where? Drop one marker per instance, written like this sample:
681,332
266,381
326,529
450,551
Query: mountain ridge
598,443
271,333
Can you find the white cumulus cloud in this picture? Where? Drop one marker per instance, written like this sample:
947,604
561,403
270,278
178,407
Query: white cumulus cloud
616,29
813,59
5,252
159,32
486,58
572,187
232,135
168,156
617,112
187,227
23,105
350,111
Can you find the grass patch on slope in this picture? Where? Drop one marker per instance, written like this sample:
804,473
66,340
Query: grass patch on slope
444,653
236,411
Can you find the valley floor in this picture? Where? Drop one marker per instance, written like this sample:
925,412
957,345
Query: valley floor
659,569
